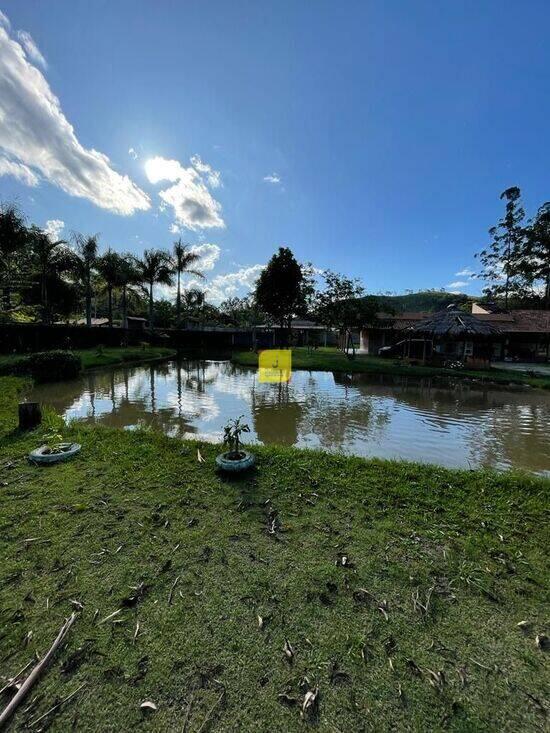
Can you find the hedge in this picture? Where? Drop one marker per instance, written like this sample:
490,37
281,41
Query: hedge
45,366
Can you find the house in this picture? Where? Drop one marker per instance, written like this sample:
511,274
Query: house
304,332
522,335
135,323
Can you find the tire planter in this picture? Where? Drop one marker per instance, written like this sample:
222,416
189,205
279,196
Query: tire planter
235,466
68,451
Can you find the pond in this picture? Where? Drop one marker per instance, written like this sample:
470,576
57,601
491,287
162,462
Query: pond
383,416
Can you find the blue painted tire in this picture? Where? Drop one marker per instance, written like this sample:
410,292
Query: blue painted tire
40,456
232,466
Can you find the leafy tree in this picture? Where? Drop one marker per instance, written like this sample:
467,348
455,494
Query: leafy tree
502,261
537,262
183,260
155,267
14,236
242,312
84,263
50,258
282,291
165,313
341,304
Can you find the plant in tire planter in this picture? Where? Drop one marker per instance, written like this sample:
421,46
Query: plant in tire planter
55,450
235,458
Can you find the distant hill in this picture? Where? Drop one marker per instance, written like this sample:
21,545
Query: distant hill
429,300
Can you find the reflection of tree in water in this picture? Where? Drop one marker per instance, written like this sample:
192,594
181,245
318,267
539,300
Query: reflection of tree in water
338,421
275,414
497,427
337,412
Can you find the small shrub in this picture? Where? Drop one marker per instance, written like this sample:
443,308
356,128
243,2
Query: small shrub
47,366
232,437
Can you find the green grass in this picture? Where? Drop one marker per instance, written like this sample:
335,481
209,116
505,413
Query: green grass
137,510
106,356
331,359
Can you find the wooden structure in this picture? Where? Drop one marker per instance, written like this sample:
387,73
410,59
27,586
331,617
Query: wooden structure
454,334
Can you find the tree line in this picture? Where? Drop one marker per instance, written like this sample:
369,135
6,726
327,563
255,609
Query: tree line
58,278
55,276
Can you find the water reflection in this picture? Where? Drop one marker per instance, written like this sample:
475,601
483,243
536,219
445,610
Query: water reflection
366,415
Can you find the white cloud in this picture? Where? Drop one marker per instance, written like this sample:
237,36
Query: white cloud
4,20
231,284
132,153
209,254
35,133
272,178
458,284
466,272
31,49
213,177
220,287
193,204
53,229
22,172
174,229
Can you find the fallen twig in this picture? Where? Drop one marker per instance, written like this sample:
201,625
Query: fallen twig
34,675
209,713
65,699
176,581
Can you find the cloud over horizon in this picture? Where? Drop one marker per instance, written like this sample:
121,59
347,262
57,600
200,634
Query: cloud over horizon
38,142
193,205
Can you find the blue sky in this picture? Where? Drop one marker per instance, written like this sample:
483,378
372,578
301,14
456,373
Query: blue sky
373,138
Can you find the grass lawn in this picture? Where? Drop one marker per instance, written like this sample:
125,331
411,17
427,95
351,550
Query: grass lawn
106,356
92,358
331,359
397,587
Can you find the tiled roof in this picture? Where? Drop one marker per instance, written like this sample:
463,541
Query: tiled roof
519,321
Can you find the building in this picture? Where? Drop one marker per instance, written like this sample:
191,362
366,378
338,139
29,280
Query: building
521,335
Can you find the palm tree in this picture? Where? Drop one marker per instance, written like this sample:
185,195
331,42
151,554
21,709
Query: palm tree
128,276
84,264
14,235
154,267
50,257
183,259
110,266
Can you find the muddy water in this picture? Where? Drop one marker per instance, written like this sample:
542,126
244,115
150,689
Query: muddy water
387,417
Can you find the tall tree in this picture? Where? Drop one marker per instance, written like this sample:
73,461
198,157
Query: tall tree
14,236
537,262
85,262
502,259
128,277
342,304
183,260
110,268
50,258
280,289
155,267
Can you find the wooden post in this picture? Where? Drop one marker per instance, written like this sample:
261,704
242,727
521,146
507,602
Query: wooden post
30,415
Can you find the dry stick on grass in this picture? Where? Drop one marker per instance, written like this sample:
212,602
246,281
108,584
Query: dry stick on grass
58,705
172,589
209,713
36,672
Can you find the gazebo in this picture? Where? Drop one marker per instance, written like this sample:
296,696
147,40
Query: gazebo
453,334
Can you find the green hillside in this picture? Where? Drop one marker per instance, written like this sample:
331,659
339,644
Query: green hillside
428,300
